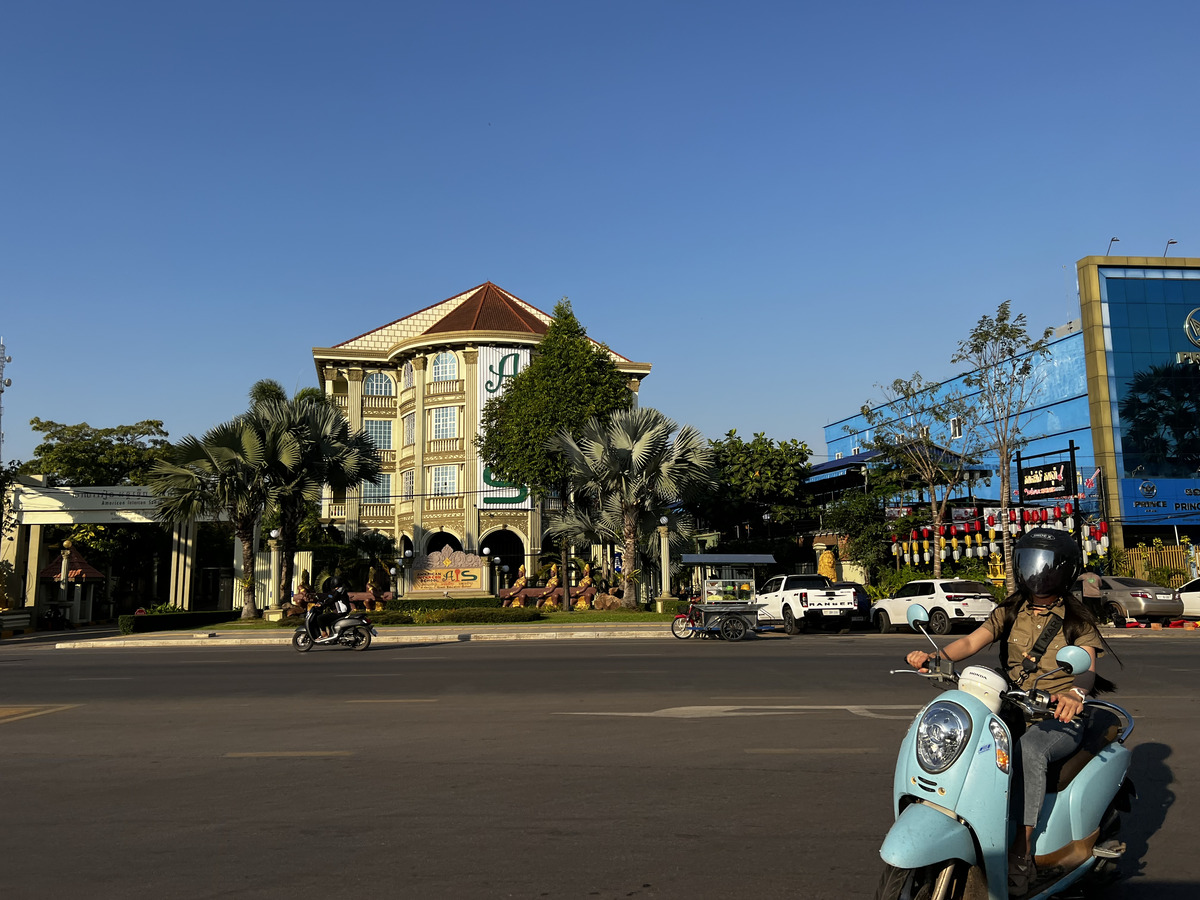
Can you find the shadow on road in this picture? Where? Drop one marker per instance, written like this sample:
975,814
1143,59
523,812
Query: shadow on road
1152,778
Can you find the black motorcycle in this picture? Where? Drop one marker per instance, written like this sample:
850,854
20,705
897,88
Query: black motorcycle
353,630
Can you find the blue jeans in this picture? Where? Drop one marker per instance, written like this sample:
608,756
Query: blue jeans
1041,745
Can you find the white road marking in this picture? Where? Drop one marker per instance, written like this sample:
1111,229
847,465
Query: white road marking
401,700
716,712
287,754
785,751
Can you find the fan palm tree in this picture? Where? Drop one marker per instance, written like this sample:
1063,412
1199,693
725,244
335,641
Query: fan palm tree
634,466
1160,419
330,453
226,472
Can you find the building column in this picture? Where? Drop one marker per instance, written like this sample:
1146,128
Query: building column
183,563
330,375
470,426
420,364
33,554
354,415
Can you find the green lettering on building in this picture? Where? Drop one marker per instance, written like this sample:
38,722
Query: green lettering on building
491,481
501,372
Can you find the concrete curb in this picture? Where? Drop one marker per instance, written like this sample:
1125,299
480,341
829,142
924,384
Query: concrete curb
450,634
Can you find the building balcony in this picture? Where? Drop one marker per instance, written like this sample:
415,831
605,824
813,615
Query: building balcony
341,401
337,510
451,503
377,513
444,388
444,445
379,405
387,459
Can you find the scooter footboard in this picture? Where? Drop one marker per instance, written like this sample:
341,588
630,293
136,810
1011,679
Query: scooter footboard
922,836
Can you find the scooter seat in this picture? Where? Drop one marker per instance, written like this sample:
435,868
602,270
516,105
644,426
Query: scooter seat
1099,730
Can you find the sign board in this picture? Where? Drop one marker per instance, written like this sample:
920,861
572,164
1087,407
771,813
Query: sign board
448,580
1051,481
496,366
118,504
1166,501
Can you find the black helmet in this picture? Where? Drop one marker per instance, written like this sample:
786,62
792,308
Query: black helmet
334,583
1046,562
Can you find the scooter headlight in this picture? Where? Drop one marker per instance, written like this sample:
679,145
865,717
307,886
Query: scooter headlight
942,734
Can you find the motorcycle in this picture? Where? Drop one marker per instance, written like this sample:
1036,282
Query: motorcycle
353,630
951,790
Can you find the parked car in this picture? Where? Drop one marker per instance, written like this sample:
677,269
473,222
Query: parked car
1190,595
797,601
1122,599
862,615
949,602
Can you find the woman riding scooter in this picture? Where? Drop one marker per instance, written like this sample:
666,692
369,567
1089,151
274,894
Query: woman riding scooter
336,605
1033,624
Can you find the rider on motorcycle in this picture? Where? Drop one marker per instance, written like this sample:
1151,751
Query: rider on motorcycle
336,605
1046,562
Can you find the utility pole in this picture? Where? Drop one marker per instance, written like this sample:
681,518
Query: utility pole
4,383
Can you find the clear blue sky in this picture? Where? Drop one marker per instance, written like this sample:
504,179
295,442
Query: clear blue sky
779,205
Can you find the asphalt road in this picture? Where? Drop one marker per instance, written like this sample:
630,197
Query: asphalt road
571,769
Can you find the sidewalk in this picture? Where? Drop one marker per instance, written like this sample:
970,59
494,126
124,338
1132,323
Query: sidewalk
406,634
106,638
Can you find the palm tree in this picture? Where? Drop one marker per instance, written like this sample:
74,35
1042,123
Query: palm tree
631,468
226,472
329,454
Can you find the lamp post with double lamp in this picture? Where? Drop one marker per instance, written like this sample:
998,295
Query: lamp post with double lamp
275,592
494,570
664,546
405,565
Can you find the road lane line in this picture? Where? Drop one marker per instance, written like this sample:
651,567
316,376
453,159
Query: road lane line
287,754
714,712
13,713
785,751
401,700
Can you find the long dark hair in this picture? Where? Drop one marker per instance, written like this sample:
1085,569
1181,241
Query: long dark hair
1076,619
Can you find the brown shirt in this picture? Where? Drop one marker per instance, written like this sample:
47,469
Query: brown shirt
1025,631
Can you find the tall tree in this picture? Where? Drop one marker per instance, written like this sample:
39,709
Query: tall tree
907,428
228,471
754,480
1006,373
636,468
568,381
330,453
862,517
83,456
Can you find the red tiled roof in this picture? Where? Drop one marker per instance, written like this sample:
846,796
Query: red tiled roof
78,568
489,309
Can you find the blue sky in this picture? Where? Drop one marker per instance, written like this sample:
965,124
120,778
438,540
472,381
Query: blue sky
778,205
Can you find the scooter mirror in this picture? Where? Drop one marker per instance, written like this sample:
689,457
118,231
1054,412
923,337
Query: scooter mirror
918,616
1073,659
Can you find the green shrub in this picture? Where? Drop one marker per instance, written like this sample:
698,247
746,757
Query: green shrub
181,620
409,604
477,615
379,617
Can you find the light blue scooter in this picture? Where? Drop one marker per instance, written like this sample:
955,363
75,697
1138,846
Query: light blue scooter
952,785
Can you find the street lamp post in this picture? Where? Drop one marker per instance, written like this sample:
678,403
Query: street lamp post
664,565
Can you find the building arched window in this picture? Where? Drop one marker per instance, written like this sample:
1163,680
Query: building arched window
377,384
406,375
445,367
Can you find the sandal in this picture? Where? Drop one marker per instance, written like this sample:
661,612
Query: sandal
1021,874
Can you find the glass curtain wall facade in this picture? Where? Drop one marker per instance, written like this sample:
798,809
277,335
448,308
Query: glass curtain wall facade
1142,325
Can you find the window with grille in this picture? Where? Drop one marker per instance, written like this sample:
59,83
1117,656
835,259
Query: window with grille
406,484
377,384
445,422
378,493
955,429
445,367
445,480
379,431
410,429
406,375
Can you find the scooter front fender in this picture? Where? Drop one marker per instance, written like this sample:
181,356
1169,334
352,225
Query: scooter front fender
923,836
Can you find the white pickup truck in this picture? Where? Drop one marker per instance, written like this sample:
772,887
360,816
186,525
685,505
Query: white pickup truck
799,601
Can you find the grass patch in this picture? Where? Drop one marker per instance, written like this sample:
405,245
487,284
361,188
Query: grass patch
612,615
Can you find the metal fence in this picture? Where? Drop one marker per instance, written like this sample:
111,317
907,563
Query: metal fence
1173,565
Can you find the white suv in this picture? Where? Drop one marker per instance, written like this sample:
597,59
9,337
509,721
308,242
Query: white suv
949,601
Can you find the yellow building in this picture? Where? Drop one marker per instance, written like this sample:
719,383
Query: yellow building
417,386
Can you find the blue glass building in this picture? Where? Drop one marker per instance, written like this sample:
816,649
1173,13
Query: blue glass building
1122,384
